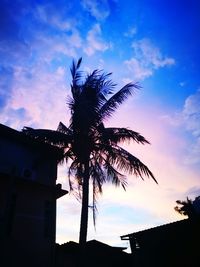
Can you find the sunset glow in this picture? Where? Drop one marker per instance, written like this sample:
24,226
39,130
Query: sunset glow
155,43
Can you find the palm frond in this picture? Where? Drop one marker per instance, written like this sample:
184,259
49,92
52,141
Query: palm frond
103,171
92,91
186,207
117,135
76,78
75,175
94,203
98,177
74,70
97,174
69,155
64,129
126,162
96,87
114,176
49,136
117,99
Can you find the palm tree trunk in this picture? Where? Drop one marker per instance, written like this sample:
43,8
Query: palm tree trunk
84,209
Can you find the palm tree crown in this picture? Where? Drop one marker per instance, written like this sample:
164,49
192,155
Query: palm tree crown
189,207
91,149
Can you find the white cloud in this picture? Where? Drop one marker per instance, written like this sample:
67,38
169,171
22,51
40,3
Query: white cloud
98,9
75,39
48,48
191,115
126,80
40,106
139,71
191,112
94,41
66,40
44,14
131,32
146,59
193,156
62,25
150,55
189,119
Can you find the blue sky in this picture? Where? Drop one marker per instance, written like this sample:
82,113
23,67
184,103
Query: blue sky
155,43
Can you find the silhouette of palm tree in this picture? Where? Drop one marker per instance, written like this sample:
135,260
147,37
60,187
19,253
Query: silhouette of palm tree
92,150
189,207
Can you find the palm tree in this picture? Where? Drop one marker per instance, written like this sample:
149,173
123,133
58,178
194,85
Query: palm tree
189,207
92,150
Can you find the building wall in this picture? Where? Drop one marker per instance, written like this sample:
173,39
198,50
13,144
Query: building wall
29,226
27,204
27,162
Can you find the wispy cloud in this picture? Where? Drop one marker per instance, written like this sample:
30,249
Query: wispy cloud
47,15
37,106
150,54
138,70
130,32
48,48
95,41
32,62
191,113
146,59
98,9
189,120
191,116
6,74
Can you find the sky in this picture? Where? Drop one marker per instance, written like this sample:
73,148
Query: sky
155,43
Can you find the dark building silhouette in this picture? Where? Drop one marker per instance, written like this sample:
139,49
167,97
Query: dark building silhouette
94,253
175,244
28,193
